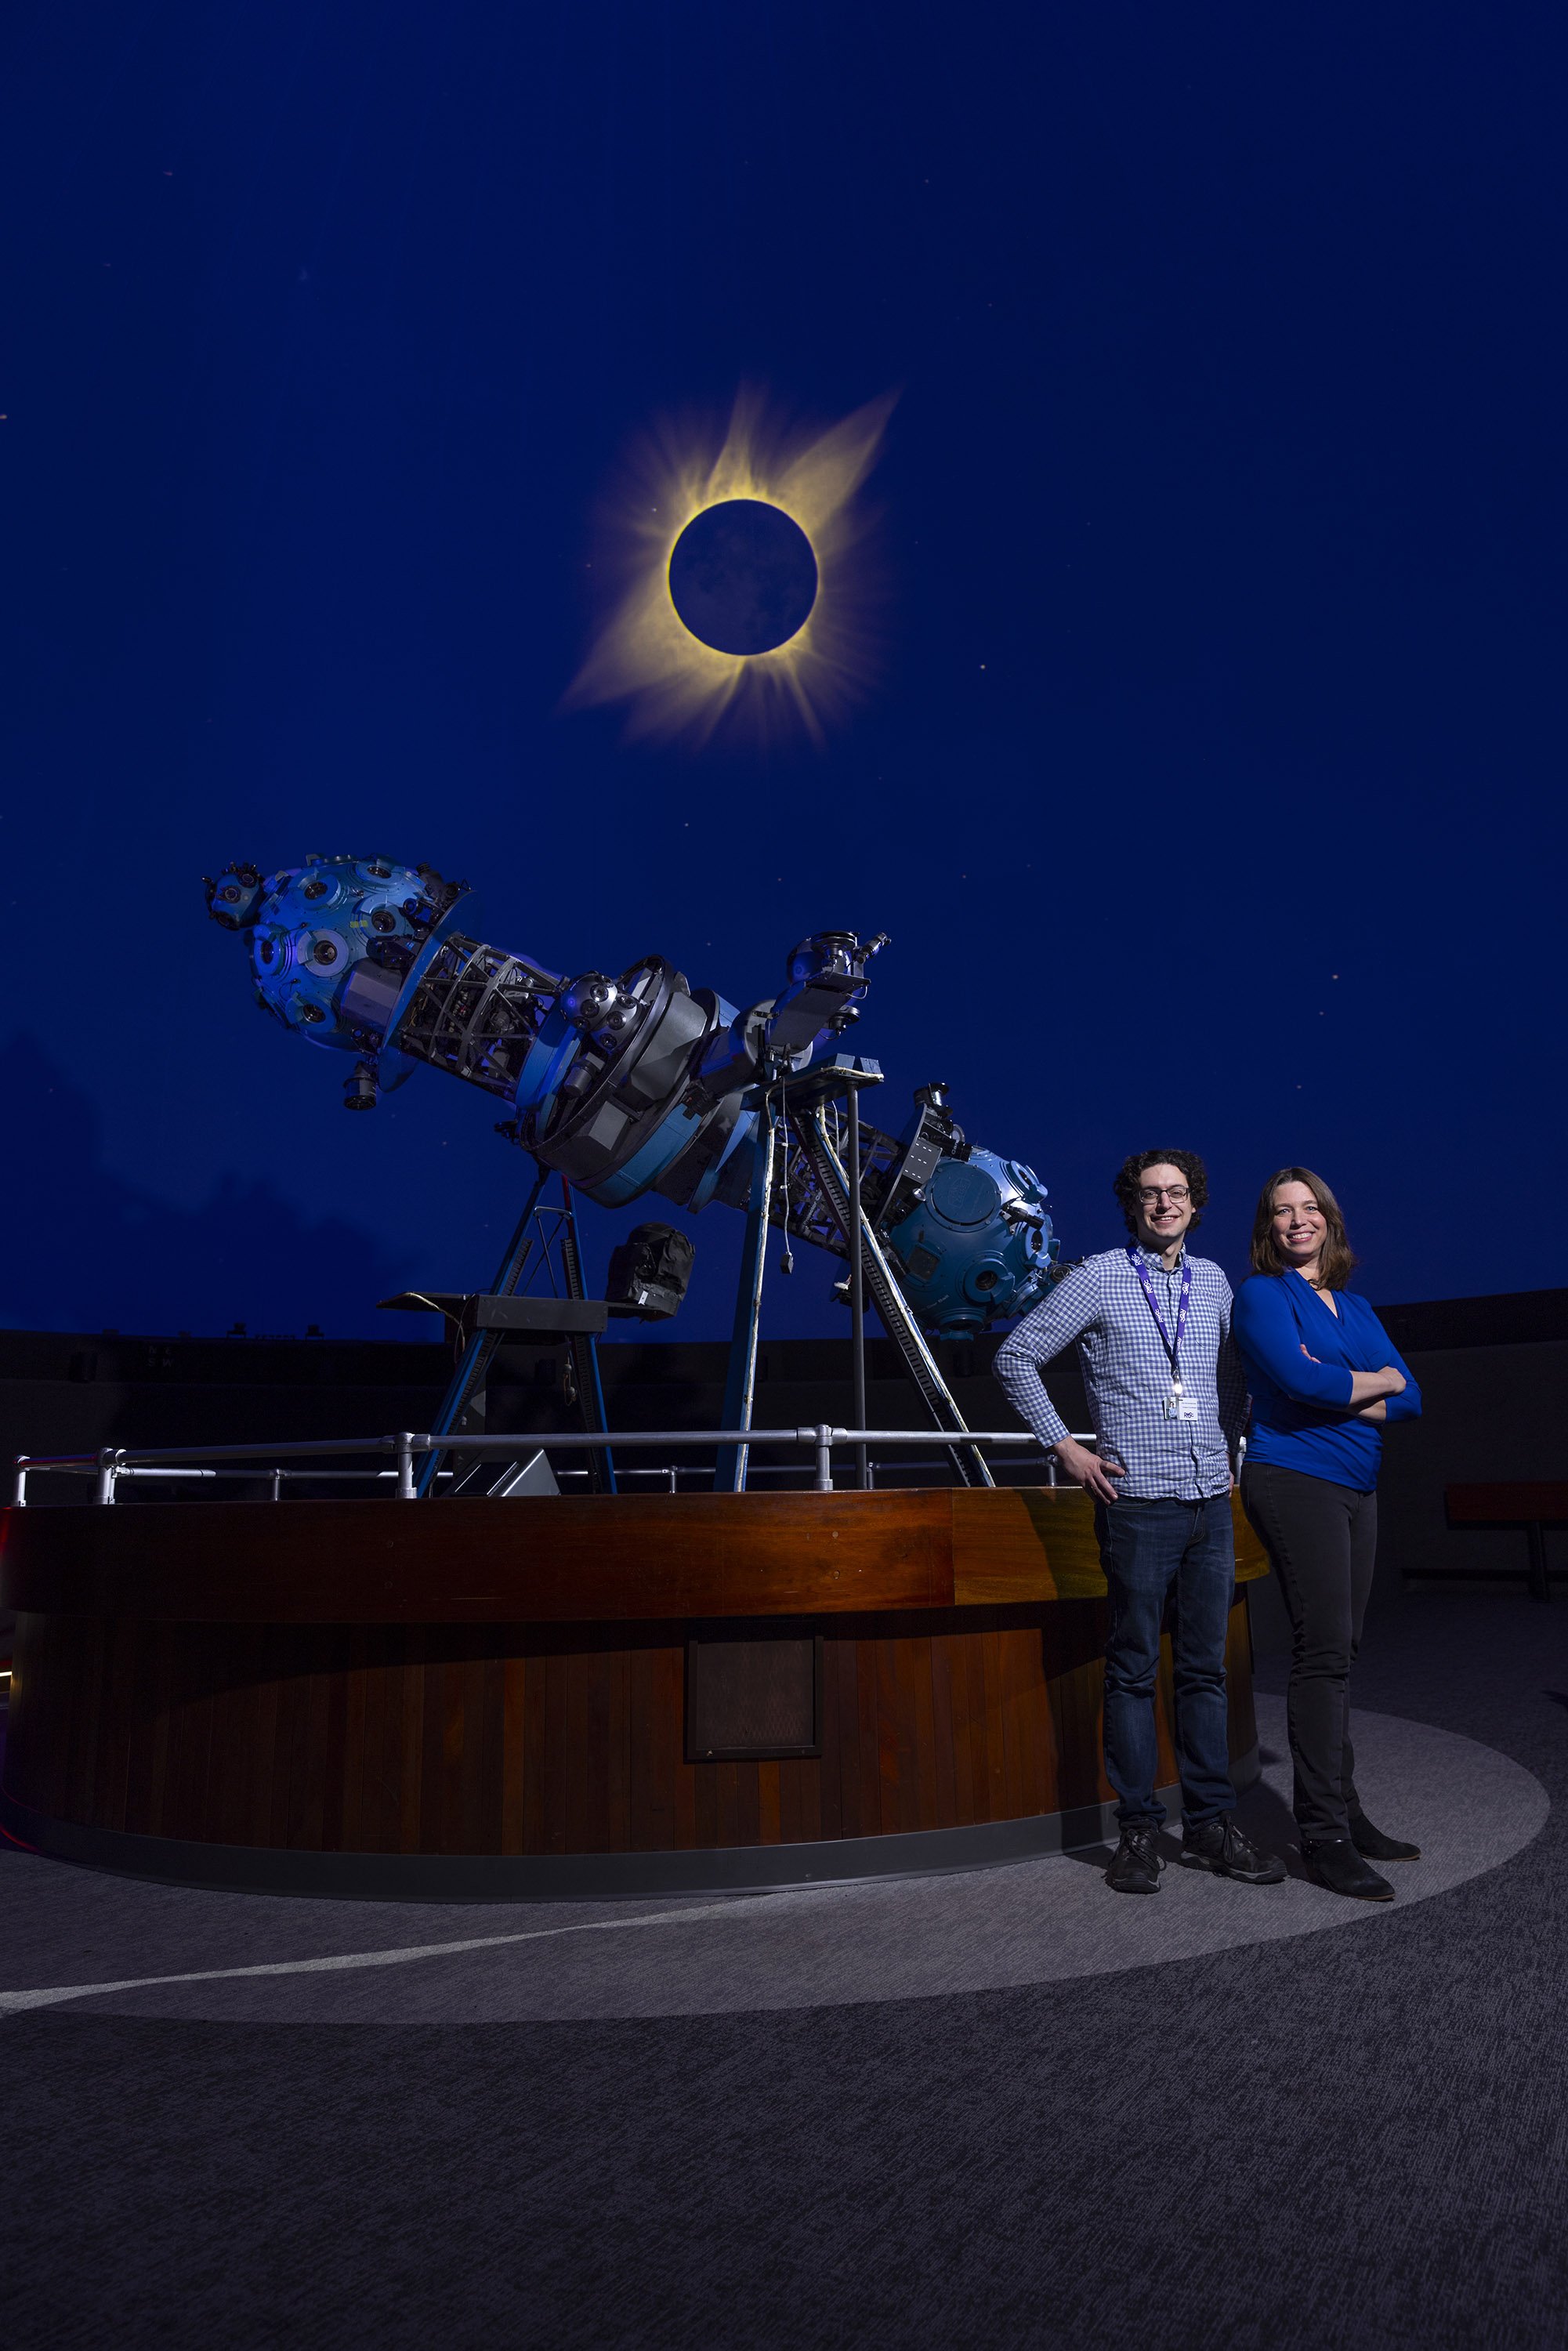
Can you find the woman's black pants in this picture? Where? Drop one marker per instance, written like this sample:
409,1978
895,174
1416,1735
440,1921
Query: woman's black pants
1321,1539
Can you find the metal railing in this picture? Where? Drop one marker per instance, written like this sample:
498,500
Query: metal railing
115,1463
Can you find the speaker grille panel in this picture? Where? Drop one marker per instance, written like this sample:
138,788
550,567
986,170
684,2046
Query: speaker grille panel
752,1699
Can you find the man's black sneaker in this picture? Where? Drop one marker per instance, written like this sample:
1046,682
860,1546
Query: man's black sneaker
1335,1863
1221,1847
1372,1844
1136,1866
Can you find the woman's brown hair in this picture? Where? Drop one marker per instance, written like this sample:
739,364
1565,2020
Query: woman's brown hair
1338,1256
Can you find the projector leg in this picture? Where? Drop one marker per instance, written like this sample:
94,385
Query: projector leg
857,1288
583,1350
898,1321
729,1471
469,1379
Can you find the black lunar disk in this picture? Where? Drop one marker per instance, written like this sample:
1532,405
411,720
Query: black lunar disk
743,577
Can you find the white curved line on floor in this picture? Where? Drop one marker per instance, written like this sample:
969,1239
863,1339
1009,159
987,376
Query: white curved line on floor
12,2003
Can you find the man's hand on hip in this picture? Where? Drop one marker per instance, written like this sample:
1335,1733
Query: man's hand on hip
1086,1468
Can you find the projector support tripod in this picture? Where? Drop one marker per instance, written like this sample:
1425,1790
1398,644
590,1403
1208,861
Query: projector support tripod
799,1110
480,1323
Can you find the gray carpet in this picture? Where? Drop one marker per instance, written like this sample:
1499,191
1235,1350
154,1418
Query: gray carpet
163,1951
1339,2137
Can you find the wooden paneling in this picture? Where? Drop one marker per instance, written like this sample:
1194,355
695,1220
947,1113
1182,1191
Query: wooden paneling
566,1559
537,1740
1037,1542
508,1679
541,1558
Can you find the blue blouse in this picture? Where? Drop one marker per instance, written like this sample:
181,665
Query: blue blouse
1300,1408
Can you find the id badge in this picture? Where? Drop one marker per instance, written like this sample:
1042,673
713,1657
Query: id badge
1179,1406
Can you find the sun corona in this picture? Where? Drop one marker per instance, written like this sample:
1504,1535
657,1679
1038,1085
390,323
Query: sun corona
757,620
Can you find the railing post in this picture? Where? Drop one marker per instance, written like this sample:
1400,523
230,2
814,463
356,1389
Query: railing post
405,1493
277,1485
824,1436
108,1469
19,1493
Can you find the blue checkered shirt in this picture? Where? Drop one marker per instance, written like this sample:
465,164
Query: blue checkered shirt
1099,1306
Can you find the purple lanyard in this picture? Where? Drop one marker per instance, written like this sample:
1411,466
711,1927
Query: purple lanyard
1173,1346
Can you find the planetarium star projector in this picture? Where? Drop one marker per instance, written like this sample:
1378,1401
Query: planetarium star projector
641,1083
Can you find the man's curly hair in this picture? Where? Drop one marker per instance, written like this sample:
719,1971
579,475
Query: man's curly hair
1132,1175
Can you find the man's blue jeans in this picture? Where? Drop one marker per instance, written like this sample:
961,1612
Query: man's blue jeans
1146,1548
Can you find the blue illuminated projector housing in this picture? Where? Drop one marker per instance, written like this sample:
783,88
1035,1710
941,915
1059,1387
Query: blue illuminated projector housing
979,1235
635,1083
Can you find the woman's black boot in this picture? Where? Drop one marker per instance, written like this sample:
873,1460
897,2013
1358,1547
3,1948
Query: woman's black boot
1335,1863
1373,1846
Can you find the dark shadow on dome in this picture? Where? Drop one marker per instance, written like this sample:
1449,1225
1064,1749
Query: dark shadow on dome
86,1250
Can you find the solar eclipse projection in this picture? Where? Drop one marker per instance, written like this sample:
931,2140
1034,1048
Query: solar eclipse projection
739,588
743,577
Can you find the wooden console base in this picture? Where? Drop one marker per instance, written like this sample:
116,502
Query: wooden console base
475,1701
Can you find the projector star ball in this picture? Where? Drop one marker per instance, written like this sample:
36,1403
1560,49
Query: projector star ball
743,577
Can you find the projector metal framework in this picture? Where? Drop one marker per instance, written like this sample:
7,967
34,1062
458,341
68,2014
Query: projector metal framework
639,1082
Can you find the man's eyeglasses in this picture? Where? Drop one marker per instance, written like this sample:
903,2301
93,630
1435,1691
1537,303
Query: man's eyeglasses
1177,1194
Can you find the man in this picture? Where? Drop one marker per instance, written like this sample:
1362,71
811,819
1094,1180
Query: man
1167,1395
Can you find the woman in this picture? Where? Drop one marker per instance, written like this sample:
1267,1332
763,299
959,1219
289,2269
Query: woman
1324,1379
